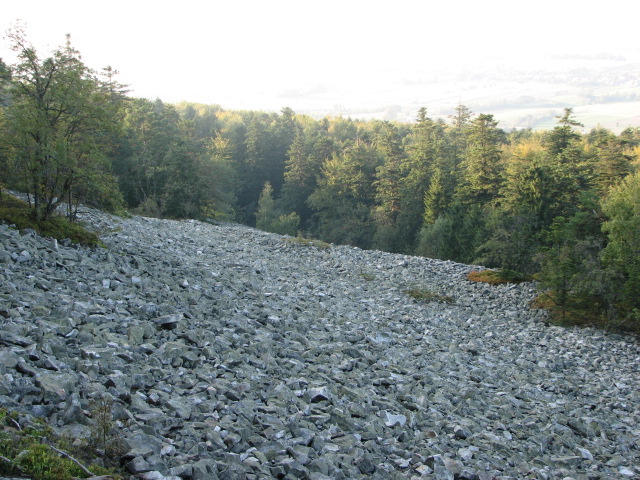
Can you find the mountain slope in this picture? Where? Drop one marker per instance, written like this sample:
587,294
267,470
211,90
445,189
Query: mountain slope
232,353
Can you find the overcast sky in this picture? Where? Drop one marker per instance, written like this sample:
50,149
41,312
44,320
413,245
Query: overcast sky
236,52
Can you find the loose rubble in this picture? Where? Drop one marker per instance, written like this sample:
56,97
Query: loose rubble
229,353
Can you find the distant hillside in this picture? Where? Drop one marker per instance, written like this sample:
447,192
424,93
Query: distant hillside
603,90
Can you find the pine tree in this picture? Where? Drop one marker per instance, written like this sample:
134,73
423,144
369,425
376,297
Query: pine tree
481,168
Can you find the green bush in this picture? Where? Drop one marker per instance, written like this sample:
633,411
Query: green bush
16,212
35,451
270,219
426,296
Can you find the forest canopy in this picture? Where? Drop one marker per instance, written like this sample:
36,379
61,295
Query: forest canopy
561,204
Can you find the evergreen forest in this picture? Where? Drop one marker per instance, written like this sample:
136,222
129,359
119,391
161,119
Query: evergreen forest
561,206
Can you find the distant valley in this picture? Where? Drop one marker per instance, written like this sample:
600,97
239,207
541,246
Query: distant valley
603,89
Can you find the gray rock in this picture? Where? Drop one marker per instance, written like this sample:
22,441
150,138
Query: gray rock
366,465
73,413
56,387
204,469
181,406
168,322
319,394
391,420
8,360
10,338
143,445
23,256
237,354
137,465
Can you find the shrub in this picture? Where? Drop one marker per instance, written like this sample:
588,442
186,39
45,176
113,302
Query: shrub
35,451
16,212
498,277
300,240
426,296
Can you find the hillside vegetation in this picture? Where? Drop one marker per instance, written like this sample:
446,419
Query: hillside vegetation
560,204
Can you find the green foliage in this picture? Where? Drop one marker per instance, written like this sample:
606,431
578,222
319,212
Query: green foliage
481,167
427,184
286,224
310,149
427,296
611,162
560,263
498,277
266,139
462,190
573,311
43,464
343,198
437,239
104,436
563,135
459,131
511,239
572,272
34,450
270,219
389,235
435,197
622,253
543,183
56,127
167,168
308,242
455,235
18,213
531,184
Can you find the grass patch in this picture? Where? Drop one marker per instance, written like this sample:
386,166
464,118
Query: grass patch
35,452
309,242
16,212
498,277
369,277
427,296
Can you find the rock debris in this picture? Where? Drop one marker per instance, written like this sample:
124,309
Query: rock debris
223,352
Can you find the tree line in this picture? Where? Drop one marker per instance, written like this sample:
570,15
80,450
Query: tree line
561,204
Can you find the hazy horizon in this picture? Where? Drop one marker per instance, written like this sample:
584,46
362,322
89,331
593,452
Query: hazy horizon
360,59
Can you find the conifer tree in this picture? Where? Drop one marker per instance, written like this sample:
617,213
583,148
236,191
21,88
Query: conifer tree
481,168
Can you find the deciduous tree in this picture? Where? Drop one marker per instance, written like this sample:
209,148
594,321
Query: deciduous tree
57,124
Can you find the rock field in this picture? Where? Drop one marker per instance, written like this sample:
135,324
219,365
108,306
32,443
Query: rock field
223,352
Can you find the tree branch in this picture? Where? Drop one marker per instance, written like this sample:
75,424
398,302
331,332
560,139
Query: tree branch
17,425
77,462
7,460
